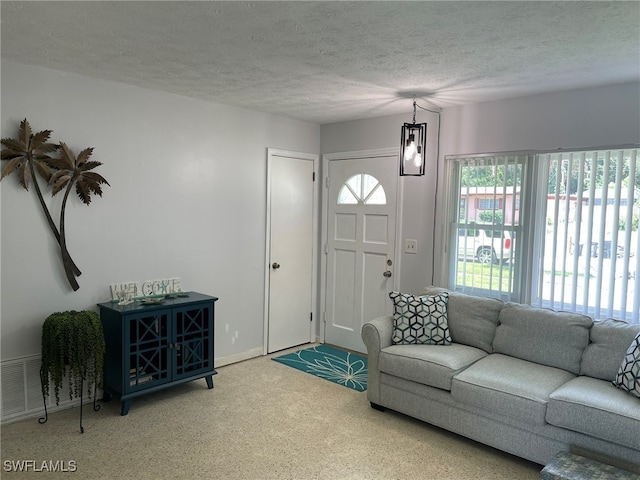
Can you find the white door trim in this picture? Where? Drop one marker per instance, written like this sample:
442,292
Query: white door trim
326,158
272,152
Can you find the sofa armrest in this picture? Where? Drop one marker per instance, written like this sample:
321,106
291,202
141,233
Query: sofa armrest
376,335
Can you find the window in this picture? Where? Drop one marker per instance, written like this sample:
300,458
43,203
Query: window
558,230
483,234
362,188
489,204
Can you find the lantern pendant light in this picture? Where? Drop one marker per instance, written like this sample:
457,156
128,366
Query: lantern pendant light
413,147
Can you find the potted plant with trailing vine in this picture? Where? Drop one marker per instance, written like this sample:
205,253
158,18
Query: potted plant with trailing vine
72,345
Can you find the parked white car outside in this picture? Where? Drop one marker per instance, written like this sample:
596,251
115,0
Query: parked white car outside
485,245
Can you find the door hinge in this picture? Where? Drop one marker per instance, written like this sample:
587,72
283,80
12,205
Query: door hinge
311,317
313,177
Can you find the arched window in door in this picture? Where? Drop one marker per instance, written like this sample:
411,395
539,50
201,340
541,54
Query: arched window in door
362,189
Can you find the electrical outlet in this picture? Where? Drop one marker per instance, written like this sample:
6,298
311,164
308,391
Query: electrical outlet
410,246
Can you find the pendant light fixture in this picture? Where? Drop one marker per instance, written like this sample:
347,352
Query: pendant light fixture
413,142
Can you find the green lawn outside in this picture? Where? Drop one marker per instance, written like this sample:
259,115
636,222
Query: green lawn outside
492,277
488,277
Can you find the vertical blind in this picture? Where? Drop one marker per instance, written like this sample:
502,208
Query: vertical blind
561,229
590,260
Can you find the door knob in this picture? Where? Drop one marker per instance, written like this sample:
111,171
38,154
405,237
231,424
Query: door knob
275,265
387,273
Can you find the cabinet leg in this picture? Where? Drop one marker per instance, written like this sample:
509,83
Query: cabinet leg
209,380
125,407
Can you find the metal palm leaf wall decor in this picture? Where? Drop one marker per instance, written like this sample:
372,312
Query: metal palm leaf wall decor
31,154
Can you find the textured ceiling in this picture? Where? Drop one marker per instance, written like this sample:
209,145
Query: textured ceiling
332,61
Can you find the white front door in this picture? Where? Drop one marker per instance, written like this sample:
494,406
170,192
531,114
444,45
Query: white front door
361,232
290,255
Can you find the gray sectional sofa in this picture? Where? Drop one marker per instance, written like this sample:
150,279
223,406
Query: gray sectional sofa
528,381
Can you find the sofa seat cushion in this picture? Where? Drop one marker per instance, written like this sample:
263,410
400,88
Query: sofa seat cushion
432,365
597,408
510,386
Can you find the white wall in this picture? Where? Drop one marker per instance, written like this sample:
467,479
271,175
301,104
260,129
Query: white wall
419,192
582,118
187,195
602,116
590,117
187,199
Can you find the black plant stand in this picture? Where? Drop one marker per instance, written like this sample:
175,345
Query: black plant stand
96,407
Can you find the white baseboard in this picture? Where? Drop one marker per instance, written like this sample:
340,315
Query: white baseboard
238,357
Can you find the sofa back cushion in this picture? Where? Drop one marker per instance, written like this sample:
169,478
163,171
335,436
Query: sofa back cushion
472,320
539,335
609,341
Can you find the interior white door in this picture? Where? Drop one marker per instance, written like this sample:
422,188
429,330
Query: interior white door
290,258
361,229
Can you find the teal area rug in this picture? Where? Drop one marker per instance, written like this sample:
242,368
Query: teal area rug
337,366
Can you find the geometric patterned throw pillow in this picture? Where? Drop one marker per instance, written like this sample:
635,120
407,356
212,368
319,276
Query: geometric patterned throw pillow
420,320
628,377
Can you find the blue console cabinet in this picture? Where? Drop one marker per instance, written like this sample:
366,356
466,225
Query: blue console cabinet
152,347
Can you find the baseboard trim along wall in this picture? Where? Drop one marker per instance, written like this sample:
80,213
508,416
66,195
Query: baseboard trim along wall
237,357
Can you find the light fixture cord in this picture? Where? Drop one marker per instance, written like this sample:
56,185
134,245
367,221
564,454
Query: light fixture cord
414,110
415,105
435,195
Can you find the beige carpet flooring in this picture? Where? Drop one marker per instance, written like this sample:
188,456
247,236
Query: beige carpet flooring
263,420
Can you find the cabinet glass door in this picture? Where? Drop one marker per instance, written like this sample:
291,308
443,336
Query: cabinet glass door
148,355
193,340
